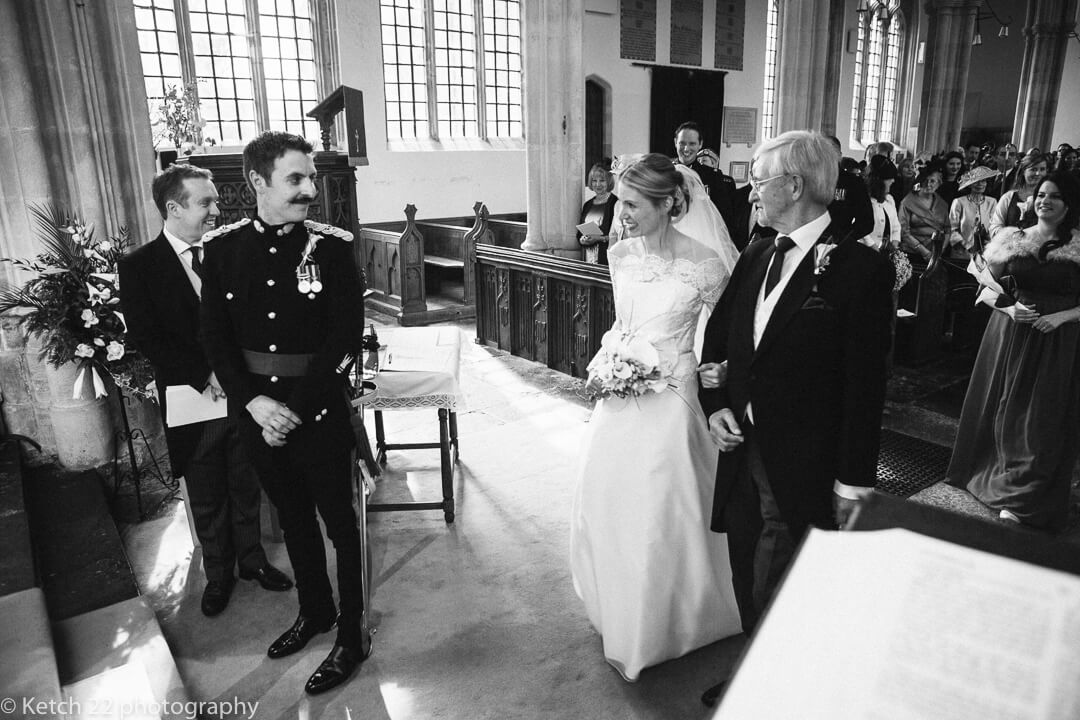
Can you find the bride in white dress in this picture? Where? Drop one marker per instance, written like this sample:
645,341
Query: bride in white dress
656,582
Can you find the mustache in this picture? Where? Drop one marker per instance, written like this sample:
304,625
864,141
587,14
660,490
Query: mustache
302,200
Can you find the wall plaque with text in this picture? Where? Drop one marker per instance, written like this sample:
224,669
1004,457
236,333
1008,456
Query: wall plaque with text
730,22
687,17
637,30
740,125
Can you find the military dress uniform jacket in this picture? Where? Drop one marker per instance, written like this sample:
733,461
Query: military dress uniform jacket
250,301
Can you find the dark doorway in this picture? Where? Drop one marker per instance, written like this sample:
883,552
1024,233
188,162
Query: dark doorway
679,95
595,108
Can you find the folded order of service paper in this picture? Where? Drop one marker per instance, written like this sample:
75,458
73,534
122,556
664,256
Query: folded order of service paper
184,405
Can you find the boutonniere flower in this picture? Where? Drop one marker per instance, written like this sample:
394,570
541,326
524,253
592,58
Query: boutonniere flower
821,256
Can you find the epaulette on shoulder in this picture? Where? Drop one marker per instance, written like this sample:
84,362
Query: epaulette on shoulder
225,229
324,229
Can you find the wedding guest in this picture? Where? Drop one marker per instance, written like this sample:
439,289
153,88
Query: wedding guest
1016,443
923,214
1005,160
904,181
969,212
599,209
1014,207
852,216
972,150
1067,158
162,282
881,175
951,168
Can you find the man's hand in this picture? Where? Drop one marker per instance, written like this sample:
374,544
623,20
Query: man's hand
842,509
712,375
273,438
216,393
273,415
725,430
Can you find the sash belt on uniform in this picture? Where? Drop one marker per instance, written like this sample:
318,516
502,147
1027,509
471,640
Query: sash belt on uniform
261,363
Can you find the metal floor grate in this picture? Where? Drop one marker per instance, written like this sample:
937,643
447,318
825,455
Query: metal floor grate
907,465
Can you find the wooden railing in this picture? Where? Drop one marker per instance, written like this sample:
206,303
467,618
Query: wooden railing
541,307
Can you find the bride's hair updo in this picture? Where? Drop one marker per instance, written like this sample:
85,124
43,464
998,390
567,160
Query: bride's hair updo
655,177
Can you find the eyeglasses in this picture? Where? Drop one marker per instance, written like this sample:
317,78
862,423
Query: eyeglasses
756,184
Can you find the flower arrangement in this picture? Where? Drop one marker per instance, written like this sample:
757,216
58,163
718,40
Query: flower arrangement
181,122
73,303
625,366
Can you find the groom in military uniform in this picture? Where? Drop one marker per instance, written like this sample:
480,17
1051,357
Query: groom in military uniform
281,310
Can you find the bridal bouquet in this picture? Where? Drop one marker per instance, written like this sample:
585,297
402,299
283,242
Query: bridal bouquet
626,366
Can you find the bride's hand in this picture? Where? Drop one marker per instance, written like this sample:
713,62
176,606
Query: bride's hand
712,375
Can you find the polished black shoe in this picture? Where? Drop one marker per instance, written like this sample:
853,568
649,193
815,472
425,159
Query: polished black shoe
215,597
296,637
710,696
269,577
338,666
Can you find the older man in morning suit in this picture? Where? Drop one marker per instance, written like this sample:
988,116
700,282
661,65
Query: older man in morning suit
803,327
161,283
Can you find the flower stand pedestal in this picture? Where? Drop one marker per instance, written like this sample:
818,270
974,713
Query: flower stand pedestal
84,438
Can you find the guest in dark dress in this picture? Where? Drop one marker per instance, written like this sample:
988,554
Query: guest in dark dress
951,168
1016,446
599,209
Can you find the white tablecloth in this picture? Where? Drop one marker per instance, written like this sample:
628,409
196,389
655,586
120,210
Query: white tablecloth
419,368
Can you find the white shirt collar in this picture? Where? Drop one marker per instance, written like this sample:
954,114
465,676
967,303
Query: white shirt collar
808,234
178,245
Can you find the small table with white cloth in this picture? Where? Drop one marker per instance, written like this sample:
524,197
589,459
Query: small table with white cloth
420,368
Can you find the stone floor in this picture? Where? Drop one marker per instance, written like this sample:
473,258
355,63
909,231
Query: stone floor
477,619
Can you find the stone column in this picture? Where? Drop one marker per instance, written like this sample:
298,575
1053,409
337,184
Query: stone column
554,96
803,94
73,118
1047,28
74,130
945,74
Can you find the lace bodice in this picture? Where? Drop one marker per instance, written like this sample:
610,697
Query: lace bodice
661,301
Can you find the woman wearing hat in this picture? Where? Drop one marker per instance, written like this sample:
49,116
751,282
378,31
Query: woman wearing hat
970,211
1014,207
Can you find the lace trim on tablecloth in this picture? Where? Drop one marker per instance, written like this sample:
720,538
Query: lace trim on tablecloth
448,401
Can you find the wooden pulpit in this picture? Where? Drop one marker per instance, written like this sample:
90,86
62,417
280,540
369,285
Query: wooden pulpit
351,101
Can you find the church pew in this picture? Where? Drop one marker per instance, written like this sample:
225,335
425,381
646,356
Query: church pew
406,262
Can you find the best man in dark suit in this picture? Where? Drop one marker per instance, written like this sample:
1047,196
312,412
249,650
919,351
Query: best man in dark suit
161,286
803,326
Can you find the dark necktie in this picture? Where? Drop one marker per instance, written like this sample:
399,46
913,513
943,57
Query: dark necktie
783,244
196,259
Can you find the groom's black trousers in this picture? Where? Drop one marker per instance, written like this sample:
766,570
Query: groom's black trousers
760,545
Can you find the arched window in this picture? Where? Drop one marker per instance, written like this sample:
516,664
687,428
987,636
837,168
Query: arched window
772,41
877,72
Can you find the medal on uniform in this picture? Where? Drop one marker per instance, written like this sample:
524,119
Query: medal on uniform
308,274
